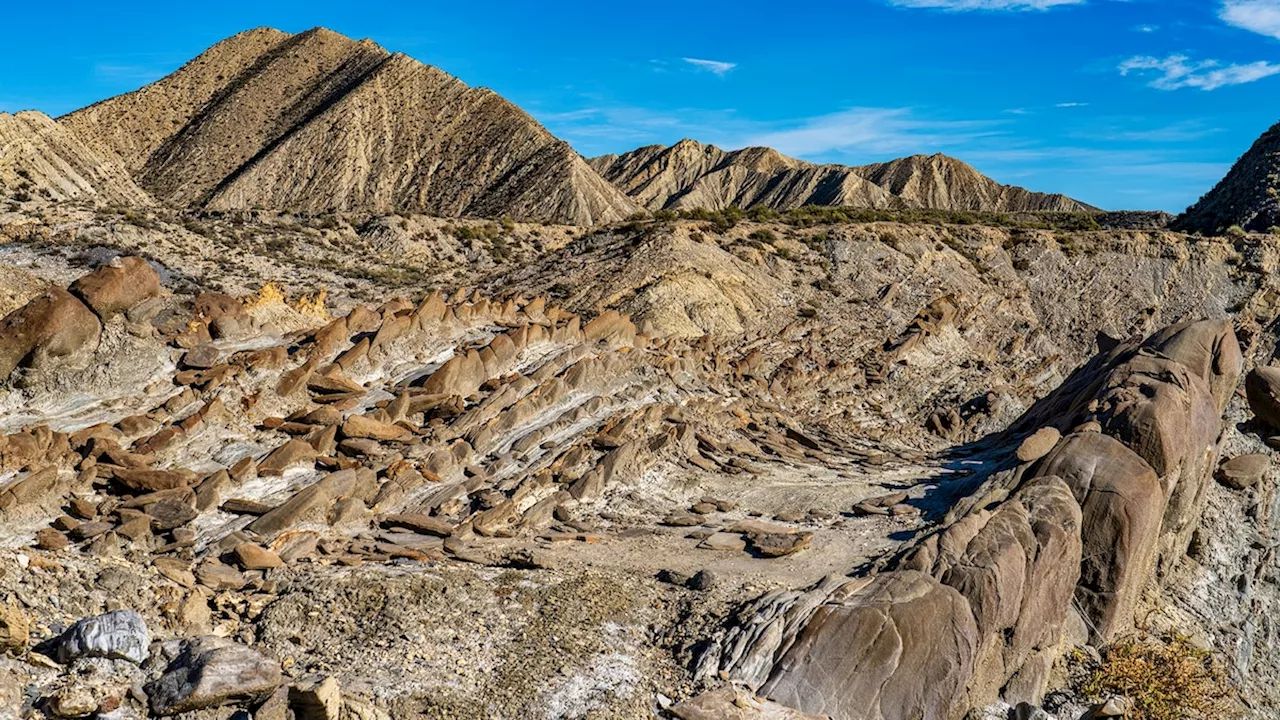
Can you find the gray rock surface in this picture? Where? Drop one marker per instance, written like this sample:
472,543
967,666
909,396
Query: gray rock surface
118,634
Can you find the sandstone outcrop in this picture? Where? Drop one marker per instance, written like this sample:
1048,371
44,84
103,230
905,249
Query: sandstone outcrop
1089,522
117,286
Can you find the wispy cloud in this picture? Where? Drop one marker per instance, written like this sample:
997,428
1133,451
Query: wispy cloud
874,131
1071,105
716,67
1147,28
1260,16
851,135
984,4
1178,71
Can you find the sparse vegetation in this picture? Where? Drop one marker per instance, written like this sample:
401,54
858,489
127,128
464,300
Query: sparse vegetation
1165,678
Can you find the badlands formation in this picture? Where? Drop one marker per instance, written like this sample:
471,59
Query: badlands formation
289,430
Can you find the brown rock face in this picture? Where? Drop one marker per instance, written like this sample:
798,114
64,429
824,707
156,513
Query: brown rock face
269,119
54,325
899,648
118,286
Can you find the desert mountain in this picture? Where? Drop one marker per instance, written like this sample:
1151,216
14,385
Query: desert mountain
318,121
690,174
39,157
1249,196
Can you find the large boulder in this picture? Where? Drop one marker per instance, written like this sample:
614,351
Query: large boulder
209,672
899,647
117,286
1122,504
52,326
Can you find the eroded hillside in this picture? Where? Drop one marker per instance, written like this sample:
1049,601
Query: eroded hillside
382,456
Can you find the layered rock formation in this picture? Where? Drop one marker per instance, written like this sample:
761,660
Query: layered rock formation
692,175
44,160
320,122
1248,197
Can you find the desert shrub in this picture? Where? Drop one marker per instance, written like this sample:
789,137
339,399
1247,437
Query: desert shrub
764,235
1164,678
1235,231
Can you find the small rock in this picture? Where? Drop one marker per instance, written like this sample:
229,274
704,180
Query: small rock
120,634
1243,471
255,557
731,542
315,698
682,520
73,701
1038,444
210,672
865,508
703,508
774,545
673,577
15,631
703,580
216,576
50,539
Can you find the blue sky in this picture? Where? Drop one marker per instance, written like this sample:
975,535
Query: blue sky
1121,103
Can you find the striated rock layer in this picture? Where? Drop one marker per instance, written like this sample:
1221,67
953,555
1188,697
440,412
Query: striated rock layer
40,158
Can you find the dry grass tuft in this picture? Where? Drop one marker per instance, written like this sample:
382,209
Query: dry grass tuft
1165,678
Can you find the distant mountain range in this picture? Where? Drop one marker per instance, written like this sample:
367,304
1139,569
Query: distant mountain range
691,175
319,122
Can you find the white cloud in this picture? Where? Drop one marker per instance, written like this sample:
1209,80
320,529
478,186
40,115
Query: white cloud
716,67
1071,105
1179,71
1260,16
984,4
1147,28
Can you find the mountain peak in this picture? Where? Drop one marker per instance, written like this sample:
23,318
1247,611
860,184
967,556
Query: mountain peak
301,122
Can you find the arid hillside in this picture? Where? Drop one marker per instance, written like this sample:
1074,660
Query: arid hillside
1248,197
